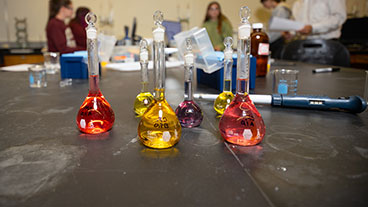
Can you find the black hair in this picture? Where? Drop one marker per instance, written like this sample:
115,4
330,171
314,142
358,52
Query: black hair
80,14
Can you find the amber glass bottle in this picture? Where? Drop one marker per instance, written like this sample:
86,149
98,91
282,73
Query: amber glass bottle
260,48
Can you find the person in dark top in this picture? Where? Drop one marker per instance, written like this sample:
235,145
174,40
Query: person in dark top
78,26
59,36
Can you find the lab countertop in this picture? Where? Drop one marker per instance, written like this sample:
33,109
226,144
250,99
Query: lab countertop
307,158
14,48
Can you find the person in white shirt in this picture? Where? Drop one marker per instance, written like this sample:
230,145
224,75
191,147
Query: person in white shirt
323,19
279,9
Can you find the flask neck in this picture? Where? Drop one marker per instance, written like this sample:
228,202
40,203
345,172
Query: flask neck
144,76
159,94
243,65
228,66
188,88
94,85
242,86
93,67
159,69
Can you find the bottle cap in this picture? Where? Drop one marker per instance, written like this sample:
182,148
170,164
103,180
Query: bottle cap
159,31
159,34
257,25
143,53
228,52
244,28
244,31
91,19
189,57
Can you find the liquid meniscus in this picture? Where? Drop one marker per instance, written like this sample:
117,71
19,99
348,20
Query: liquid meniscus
159,127
241,122
223,101
142,102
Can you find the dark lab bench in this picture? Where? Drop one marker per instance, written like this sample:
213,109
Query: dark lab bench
307,158
12,53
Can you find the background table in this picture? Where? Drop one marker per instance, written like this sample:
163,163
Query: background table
307,158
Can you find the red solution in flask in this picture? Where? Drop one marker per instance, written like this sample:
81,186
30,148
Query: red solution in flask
95,115
241,123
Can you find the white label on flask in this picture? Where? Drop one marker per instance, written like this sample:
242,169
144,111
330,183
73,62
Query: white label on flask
144,56
82,123
158,34
263,48
166,136
244,31
247,134
91,34
189,59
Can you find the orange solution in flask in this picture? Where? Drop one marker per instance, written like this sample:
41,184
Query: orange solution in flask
241,122
95,115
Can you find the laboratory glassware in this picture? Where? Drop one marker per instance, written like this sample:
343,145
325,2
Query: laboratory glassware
95,115
144,99
260,48
159,127
188,112
225,98
241,122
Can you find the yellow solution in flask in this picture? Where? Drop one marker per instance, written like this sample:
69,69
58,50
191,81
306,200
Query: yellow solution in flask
159,127
142,102
144,99
224,99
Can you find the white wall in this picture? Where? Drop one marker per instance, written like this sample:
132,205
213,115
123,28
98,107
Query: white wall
36,12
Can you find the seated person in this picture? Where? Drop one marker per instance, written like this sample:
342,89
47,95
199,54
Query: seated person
217,26
78,26
59,36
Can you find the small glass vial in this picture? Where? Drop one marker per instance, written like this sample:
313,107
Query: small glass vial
260,48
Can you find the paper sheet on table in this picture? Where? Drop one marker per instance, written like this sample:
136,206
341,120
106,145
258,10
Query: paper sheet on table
282,24
17,68
135,66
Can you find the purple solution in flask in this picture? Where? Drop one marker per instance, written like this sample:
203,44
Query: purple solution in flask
188,112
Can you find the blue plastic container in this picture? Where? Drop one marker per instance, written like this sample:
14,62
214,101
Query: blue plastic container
216,79
74,65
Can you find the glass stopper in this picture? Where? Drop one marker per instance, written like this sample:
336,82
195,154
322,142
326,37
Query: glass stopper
188,43
158,17
244,13
90,18
228,42
143,44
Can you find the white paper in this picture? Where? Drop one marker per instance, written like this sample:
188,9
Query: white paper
135,66
17,68
281,24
